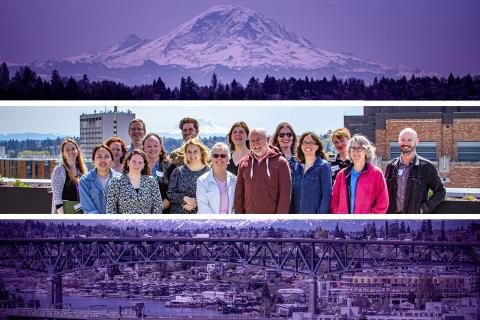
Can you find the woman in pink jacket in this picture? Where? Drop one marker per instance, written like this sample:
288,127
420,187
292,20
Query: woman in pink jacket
361,187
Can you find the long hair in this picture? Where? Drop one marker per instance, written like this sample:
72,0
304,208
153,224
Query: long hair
163,155
274,142
79,163
145,170
247,131
320,152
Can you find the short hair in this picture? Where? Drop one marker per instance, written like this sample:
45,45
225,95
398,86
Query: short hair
341,133
188,120
163,154
122,145
195,142
100,146
138,121
238,124
366,144
223,146
258,130
145,170
282,125
320,152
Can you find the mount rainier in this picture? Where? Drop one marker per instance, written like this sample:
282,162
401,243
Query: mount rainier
231,41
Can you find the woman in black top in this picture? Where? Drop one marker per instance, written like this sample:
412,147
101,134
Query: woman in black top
160,166
239,145
65,176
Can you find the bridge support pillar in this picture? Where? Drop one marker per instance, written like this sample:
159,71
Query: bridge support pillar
54,292
313,295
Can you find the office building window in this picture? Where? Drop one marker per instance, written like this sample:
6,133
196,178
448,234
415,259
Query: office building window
468,151
428,150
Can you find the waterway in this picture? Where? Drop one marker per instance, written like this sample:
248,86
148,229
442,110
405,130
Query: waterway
152,307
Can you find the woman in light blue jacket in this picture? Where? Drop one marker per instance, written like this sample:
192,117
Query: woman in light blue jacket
94,184
216,188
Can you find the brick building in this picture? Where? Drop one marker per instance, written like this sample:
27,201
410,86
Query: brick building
448,137
23,168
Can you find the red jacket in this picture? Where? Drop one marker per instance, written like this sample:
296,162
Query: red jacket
371,193
263,187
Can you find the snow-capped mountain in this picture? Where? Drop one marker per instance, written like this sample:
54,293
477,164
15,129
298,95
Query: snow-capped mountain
231,41
208,128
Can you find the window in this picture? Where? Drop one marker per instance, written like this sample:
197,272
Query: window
468,151
428,150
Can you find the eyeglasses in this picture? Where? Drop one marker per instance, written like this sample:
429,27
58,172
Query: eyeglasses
358,149
223,155
310,144
283,134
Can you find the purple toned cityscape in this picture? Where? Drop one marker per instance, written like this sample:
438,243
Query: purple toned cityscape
240,269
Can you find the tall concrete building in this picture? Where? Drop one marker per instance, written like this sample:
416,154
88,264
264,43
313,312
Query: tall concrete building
448,137
97,127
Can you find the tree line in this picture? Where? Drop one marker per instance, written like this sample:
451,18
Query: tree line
26,84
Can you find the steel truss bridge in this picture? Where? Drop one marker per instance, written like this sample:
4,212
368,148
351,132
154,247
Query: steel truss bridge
308,257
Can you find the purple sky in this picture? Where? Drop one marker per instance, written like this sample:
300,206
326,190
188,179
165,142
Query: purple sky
433,35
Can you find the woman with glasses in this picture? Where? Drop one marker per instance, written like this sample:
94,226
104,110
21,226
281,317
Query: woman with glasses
285,139
159,165
135,191
216,188
239,145
360,188
312,177
119,149
182,187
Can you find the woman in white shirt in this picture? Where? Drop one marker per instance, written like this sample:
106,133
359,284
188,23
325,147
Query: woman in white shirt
216,188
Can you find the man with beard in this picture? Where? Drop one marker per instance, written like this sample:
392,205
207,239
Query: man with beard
410,177
190,129
263,180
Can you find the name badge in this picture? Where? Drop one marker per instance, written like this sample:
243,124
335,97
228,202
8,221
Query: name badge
400,172
159,174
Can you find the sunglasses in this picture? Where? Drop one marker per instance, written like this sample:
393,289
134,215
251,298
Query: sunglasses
283,134
223,156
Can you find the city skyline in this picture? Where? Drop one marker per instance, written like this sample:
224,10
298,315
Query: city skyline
215,121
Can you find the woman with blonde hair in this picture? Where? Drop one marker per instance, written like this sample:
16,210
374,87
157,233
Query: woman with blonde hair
65,178
182,186
159,165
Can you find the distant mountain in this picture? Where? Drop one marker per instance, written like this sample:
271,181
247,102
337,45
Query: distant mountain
208,128
231,41
300,224
29,135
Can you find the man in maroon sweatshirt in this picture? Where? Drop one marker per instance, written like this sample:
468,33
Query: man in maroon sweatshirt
263,180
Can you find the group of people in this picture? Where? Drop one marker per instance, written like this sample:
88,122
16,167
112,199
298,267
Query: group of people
253,173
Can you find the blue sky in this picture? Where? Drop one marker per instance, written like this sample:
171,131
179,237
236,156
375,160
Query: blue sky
66,120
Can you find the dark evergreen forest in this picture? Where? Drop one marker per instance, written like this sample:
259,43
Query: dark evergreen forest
27,85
